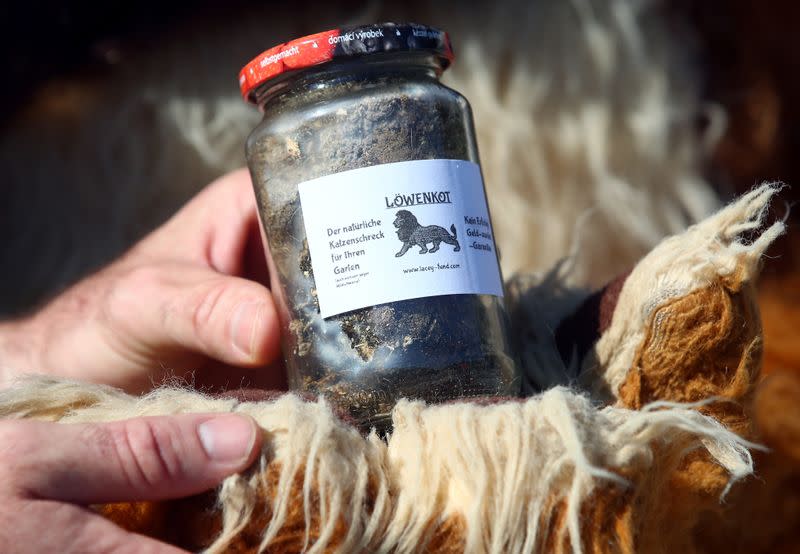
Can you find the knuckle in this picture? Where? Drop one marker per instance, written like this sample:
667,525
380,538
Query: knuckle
206,308
149,452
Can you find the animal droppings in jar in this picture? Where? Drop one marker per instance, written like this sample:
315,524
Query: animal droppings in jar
379,240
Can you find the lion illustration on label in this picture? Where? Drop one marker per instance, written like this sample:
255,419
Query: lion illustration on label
410,232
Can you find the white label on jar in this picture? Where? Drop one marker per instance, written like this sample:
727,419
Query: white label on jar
398,231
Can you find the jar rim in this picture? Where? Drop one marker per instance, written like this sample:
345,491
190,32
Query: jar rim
345,42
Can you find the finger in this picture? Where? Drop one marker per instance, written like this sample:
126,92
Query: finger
148,458
234,237
215,228
194,309
230,319
70,529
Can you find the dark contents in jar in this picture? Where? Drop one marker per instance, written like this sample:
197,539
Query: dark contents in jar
433,348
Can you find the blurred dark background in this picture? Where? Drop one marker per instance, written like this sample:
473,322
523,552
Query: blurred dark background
751,63
44,40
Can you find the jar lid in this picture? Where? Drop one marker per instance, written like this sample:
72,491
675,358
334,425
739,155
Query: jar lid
347,42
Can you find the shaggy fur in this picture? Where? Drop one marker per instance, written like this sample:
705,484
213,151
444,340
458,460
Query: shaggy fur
556,472
708,259
763,515
512,477
585,112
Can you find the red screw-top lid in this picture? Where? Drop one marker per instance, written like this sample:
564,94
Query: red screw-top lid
347,42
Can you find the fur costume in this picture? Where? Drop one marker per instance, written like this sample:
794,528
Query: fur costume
586,112
635,466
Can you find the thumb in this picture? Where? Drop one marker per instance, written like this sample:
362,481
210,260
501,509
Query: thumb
148,458
196,309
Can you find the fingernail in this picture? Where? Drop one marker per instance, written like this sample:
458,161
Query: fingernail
227,438
244,326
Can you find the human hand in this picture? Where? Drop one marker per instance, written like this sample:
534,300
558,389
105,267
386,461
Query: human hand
50,473
190,297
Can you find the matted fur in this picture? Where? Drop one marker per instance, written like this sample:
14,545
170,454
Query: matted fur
585,112
709,255
719,256
555,472
517,476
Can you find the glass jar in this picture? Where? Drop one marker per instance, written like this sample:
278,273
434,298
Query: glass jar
379,242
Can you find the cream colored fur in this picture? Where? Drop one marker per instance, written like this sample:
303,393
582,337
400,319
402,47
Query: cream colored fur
585,112
503,467
679,265
692,260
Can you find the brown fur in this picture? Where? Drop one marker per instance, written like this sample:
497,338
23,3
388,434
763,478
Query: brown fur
764,513
702,345
192,523
613,519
